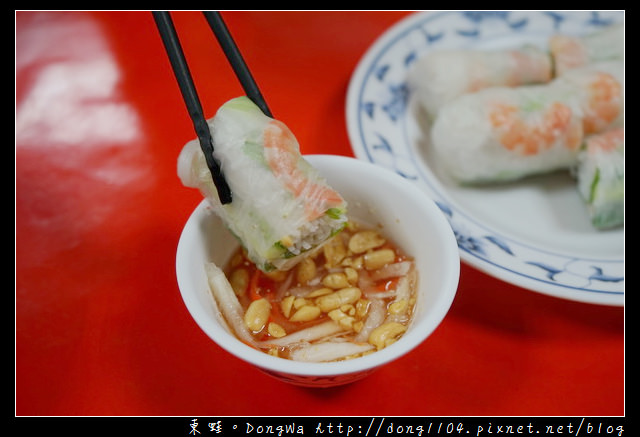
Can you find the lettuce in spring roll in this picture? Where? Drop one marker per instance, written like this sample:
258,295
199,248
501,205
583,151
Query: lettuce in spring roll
282,207
600,175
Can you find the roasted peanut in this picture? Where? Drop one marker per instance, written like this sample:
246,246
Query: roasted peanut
286,305
362,307
398,307
334,252
344,320
355,262
362,241
378,258
305,270
276,330
305,313
319,292
239,280
386,334
257,314
348,309
335,280
357,326
337,299
351,275
299,302
276,275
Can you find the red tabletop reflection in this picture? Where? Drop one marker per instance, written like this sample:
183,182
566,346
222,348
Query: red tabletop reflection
101,328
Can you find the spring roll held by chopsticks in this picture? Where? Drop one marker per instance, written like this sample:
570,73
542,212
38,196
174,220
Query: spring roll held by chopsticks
282,207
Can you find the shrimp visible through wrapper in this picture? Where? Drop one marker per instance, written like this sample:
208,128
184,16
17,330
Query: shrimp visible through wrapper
605,142
282,156
569,52
604,102
540,133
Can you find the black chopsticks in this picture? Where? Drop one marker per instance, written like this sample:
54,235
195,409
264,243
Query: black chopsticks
236,60
187,87
190,95
185,81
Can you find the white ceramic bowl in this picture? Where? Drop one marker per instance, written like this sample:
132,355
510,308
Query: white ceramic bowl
375,195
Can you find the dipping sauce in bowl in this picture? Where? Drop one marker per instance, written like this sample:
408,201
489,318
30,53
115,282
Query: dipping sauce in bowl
412,227
350,298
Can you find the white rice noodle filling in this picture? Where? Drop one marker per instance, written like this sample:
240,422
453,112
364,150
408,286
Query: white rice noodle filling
314,233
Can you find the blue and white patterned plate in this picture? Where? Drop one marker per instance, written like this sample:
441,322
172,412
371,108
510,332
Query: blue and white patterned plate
534,233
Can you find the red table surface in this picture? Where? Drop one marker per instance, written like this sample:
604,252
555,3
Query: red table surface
101,329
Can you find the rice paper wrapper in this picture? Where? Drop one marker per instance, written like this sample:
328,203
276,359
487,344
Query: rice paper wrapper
600,176
570,51
501,134
281,206
601,89
440,76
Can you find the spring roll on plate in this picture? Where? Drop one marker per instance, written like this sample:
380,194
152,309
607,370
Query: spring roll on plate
600,175
500,134
440,76
281,207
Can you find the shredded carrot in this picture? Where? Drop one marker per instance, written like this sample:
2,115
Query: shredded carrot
387,285
254,289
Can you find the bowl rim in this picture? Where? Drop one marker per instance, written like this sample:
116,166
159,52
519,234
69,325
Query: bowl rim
419,331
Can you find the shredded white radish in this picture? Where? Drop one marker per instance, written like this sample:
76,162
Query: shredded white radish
375,294
315,332
364,281
403,290
227,301
284,286
375,316
392,270
299,291
328,351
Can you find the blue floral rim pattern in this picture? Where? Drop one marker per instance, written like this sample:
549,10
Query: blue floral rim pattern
377,103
